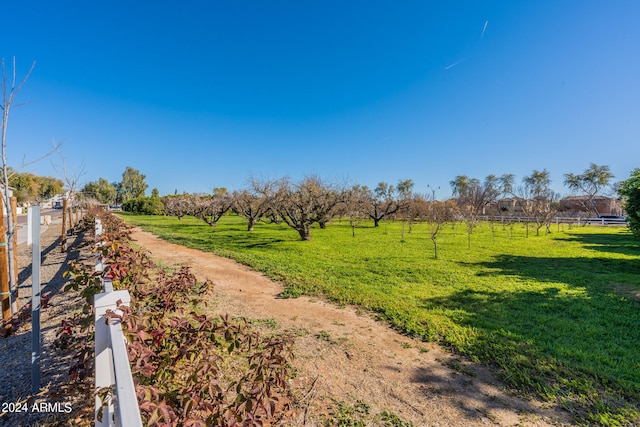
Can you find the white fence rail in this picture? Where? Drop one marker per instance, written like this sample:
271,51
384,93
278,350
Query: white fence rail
111,360
561,220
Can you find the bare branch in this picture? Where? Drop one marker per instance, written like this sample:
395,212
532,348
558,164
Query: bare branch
23,164
8,97
70,177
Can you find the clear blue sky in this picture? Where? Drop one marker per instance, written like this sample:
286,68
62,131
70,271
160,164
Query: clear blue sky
203,94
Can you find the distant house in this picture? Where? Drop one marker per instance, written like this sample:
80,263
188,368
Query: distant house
569,206
576,205
510,205
506,206
11,190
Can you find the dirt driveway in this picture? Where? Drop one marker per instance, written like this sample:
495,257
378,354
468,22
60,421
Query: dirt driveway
346,356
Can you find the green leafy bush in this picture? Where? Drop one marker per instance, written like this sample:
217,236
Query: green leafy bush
630,191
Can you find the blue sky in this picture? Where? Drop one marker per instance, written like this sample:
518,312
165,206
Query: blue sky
203,94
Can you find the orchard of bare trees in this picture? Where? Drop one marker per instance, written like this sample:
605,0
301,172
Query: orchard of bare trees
312,200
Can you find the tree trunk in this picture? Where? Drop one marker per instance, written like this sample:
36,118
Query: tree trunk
304,233
63,237
4,280
212,222
435,247
70,217
493,232
376,222
252,222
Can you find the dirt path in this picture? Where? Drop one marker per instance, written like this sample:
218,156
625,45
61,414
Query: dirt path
343,355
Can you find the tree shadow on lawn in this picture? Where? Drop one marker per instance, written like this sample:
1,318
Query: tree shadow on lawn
466,389
538,333
624,243
593,273
199,237
224,242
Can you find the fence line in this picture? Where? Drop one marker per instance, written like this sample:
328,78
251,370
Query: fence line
111,360
561,220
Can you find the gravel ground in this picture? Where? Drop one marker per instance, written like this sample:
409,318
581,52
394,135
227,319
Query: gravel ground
18,406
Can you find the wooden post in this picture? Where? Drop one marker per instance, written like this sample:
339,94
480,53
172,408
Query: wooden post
63,238
14,213
70,216
4,278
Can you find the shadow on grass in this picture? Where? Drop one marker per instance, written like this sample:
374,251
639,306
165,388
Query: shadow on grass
592,273
467,390
195,235
623,243
561,325
222,242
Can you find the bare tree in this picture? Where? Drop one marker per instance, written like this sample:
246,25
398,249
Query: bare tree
71,177
381,202
328,204
417,210
179,205
439,213
305,203
405,201
537,201
210,209
254,203
594,179
11,87
205,207
505,187
472,197
354,203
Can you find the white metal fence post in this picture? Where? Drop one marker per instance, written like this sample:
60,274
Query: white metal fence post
34,212
111,358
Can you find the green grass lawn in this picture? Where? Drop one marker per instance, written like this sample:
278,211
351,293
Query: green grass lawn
558,315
